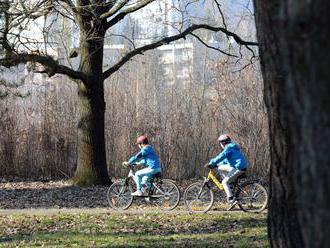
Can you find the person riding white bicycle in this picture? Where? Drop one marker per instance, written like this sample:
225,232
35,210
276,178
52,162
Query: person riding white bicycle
147,157
231,162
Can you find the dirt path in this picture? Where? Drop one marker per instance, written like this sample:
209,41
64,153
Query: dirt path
52,211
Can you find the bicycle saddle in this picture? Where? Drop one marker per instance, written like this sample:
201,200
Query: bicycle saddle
157,175
242,176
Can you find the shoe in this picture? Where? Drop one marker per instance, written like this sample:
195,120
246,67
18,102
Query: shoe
232,204
137,193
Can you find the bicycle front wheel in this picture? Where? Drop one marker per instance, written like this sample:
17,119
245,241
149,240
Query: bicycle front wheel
120,195
252,197
166,194
198,197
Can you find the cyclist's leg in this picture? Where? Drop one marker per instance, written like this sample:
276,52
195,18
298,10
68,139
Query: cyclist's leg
229,178
148,175
143,177
138,177
224,169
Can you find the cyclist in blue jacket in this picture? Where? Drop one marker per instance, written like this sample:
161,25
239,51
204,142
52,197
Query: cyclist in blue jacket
231,162
148,157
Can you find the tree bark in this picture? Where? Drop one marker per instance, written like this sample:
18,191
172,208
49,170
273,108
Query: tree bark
294,49
91,161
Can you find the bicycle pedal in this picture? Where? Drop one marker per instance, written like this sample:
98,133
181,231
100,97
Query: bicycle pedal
232,205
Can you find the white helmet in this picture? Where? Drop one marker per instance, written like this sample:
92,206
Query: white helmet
224,139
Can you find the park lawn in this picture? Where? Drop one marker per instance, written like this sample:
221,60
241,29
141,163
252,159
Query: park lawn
178,229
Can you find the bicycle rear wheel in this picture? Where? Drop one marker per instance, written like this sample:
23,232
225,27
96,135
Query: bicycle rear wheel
198,197
166,194
120,195
252,197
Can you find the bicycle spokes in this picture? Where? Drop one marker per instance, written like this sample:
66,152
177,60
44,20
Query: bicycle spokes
253,197
166,194
119,195
198,197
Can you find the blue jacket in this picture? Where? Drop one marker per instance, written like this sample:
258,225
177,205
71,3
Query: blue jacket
146,156
230,155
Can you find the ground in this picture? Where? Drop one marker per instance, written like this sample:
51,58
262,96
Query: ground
55,214
133,229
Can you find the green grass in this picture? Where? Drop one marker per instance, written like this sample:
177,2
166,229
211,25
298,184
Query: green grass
234,229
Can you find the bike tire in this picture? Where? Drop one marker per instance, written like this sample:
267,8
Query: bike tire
119,195
170,194
196,204
252,197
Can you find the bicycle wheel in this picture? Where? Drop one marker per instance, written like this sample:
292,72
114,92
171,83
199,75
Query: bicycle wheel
220,200
120,195
166,194
198,197
252,197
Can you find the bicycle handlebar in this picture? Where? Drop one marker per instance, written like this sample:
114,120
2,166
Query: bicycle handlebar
129,165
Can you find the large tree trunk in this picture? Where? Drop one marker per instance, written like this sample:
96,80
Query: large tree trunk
294,49
91,161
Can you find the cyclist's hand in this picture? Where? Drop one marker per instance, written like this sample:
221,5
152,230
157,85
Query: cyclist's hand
207,165
125,164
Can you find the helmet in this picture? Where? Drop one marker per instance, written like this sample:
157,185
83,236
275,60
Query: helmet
143,139
224,139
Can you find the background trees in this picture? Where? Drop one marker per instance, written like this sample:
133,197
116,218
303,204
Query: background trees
183,120
28,36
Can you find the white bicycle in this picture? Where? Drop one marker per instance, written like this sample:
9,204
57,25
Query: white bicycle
163,193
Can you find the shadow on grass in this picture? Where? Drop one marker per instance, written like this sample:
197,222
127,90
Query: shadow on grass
249,232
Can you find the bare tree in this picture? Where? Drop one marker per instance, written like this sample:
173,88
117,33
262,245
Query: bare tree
93,20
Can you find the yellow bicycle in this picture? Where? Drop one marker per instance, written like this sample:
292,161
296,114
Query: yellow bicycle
251,196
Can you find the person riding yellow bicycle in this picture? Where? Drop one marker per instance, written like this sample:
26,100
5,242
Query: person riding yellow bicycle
231,162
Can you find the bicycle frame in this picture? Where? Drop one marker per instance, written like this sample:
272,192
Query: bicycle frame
213,178
210,177
131,174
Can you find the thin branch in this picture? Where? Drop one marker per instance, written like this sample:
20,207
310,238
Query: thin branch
37,10
123,36
221,13
244,67
212,47
127,11
72,7
114,9
170,39
70,4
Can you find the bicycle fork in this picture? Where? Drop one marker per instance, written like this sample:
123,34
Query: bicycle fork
205,183
213,178
123,189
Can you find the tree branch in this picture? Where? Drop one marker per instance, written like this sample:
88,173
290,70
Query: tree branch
170,39
51,66
40,9
221,13
212,47
127,11
114,9
71,6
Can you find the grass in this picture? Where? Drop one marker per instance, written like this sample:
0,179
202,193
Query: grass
234,229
